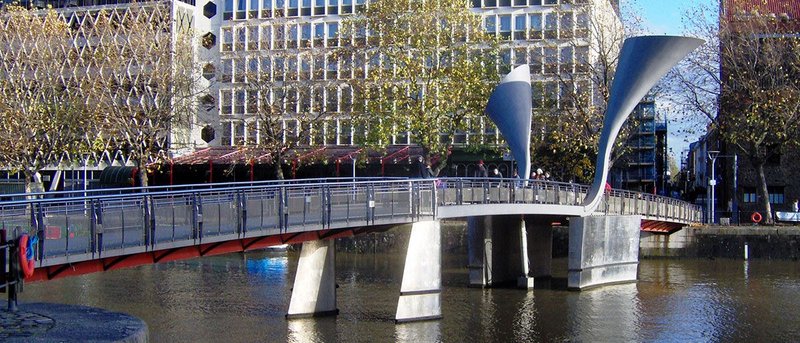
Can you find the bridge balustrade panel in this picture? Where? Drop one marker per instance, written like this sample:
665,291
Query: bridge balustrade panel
262,211
76,228
123,223
173,218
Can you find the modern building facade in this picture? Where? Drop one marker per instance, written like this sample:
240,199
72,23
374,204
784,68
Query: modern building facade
279,41
737,179
644,166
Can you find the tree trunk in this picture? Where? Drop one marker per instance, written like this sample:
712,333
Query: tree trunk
142,166
276,164
763,193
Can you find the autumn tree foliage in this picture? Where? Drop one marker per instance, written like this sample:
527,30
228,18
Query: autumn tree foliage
45,114
745,83
428,68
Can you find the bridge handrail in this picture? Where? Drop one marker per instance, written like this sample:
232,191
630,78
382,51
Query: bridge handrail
80,228
134,192
193,186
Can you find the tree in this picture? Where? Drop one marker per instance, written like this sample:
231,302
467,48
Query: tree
150,81
754,83
285,108
573,106
45,112
424,70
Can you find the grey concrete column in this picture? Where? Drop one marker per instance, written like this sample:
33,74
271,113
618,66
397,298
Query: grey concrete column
495,250
477,254
540,246
603,250
421,290
314,292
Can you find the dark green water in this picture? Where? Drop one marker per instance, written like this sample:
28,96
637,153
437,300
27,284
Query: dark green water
243,298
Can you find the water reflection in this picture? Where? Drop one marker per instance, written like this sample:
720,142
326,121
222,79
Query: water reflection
427,331
303,330
244,297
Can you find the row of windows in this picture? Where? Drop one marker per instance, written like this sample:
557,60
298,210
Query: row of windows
332,99
533,26
776,195
330,132
311,67
250,9
521,3
326,34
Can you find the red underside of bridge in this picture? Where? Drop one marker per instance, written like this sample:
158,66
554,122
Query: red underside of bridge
660,227
208,249
245,244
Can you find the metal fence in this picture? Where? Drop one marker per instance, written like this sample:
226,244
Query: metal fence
76,228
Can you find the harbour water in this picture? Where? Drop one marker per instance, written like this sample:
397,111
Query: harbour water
244,297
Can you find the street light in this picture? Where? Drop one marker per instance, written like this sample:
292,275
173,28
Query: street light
712,155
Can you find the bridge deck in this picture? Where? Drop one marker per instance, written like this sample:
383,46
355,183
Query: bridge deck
160,224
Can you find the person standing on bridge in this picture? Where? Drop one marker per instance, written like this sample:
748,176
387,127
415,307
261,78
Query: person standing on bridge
481,172
498,176
421,168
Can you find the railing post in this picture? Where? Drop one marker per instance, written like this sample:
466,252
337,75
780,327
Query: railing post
283,211
242,213
197,217
327,206
459,192
370,203
92,228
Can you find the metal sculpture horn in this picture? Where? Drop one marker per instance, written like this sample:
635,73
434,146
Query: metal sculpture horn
509,108
642,62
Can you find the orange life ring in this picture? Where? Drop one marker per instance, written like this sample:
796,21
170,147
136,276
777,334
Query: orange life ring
24,263
756,217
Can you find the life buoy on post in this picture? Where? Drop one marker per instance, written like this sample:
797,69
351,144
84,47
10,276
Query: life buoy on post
26,264
756,217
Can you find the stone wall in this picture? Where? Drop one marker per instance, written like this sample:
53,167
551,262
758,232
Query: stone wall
764,242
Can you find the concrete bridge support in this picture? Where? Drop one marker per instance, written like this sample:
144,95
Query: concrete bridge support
507,249
603,250
314,292
421,289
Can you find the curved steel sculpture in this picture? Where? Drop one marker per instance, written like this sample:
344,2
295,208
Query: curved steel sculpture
509,108
642,62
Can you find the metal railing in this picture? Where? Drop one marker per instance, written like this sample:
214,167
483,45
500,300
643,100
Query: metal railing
75,228
10,280
464,191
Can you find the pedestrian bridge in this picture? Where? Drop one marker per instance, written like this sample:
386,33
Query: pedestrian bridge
97,230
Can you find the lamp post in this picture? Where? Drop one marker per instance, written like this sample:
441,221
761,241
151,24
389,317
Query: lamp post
712,155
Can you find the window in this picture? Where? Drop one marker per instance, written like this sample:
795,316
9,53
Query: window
266,8
490,22
550,60
519,27
253,9
226,133
775,194
566,59
252,39
520,56
227,39
228,13
238,104
333,31
225,101
551,26
535,63
566,25
241,7
535,26
505,27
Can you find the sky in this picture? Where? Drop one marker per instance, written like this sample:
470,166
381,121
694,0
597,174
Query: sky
664,17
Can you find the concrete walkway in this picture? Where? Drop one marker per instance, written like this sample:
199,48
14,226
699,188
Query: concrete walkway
43,322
